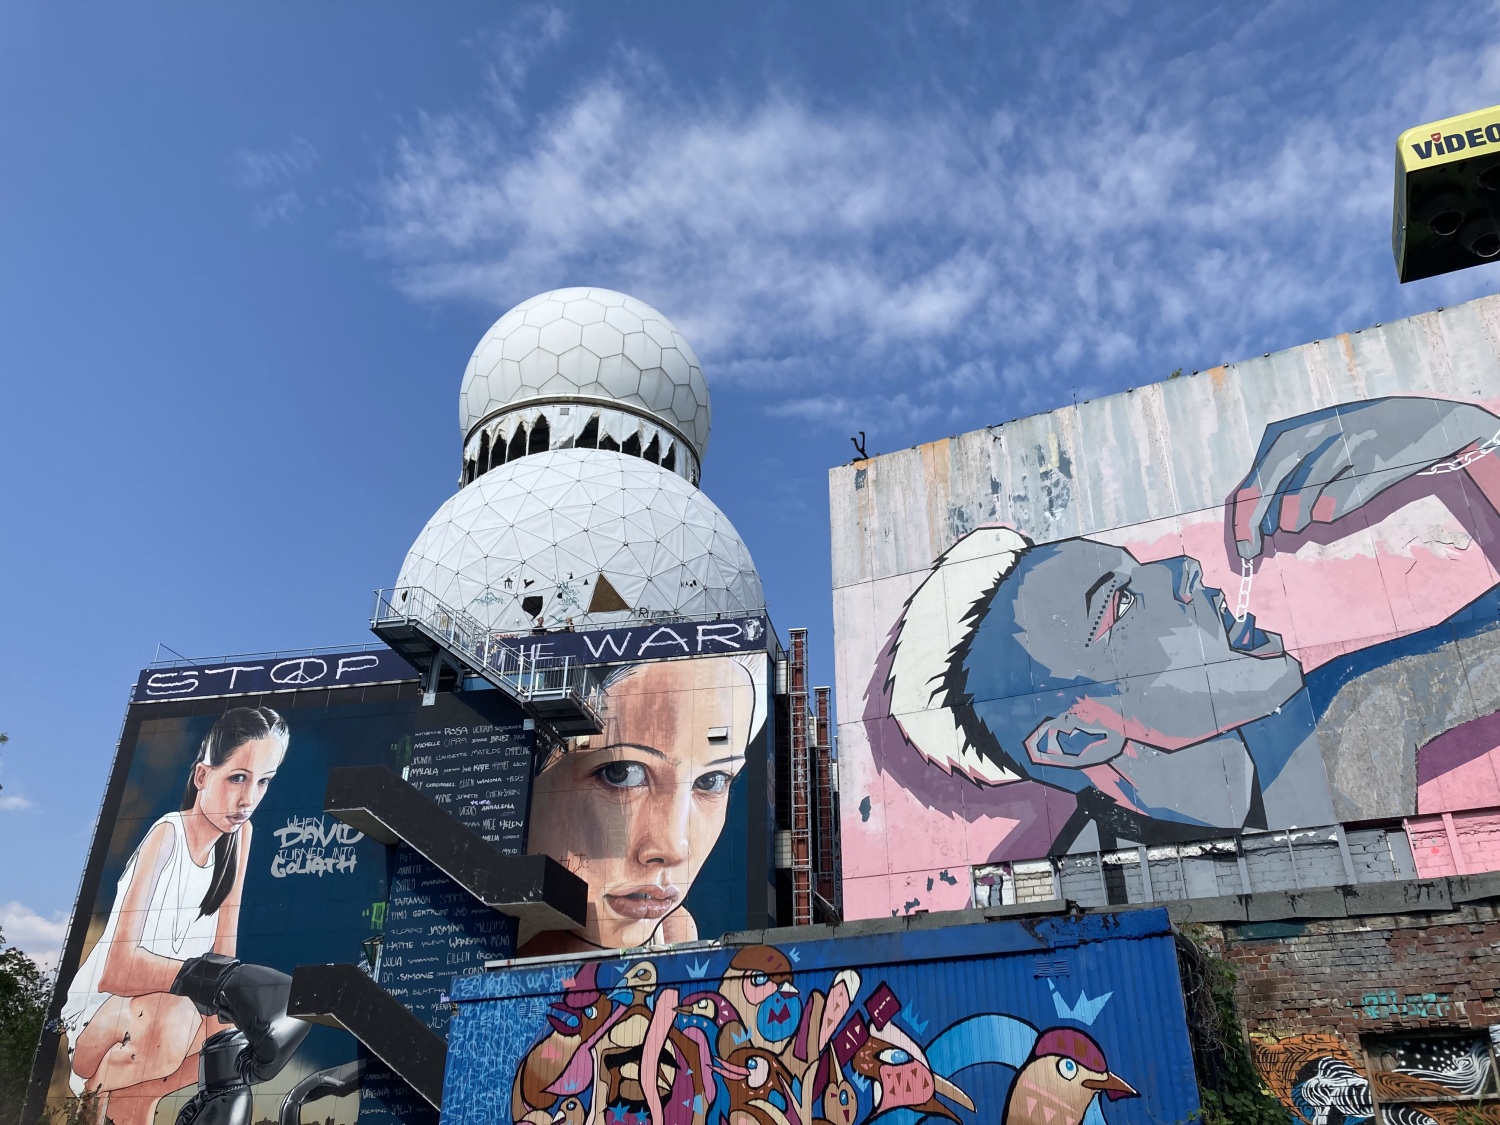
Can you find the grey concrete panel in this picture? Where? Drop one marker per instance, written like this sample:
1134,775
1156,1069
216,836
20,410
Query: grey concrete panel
1474,888
1225,908
1325,902
1023,909
1396,898
865,926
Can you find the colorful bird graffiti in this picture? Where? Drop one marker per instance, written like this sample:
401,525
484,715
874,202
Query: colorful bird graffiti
765,1045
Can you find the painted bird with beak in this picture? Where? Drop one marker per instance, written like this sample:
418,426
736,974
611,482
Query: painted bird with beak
1060,1080
900,1075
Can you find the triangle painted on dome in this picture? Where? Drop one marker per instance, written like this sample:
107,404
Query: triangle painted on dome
606,598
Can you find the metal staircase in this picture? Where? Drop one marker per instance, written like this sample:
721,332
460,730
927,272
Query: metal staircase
558,692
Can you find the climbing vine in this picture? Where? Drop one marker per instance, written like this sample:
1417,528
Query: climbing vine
1229,1087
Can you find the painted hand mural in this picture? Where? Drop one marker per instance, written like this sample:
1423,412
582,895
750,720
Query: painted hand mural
755,1047
1099,692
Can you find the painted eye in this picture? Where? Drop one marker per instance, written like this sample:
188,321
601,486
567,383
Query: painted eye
843,1097
715,782
759,979
895,1056
590,1012
1116,606
622,775
1067,1068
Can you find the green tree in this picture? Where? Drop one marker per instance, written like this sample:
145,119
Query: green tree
24,993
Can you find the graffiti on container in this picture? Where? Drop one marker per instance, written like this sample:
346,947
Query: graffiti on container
1318,1078
1413,1005
755,1048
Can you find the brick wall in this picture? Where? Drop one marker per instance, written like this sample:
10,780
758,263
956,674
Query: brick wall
1356,976
1316,995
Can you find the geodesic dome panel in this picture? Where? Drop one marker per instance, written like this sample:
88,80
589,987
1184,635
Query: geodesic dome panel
548,526
592,342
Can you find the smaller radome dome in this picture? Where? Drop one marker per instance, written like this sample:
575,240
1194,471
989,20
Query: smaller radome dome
590,343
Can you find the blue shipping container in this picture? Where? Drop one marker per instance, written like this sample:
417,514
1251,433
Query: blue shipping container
1046,1021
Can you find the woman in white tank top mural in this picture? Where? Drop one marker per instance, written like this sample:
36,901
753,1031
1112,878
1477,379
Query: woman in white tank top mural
156,983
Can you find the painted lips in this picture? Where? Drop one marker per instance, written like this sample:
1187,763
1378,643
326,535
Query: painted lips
643,902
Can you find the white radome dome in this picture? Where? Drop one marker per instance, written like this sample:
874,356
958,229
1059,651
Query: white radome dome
590,343
549,525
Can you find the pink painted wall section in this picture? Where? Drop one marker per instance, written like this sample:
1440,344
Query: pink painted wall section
1462,843
1460,769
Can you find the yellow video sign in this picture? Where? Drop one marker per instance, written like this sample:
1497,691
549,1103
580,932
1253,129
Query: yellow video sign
1447,214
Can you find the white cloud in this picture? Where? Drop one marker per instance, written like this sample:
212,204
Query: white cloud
12,802
270,174
269,169
509,52
39,938
895,266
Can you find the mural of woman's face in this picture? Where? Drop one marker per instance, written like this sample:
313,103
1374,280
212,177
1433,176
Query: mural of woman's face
228,794
1137,646
636,811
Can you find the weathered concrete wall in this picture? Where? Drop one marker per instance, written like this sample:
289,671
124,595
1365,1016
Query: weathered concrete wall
1034,655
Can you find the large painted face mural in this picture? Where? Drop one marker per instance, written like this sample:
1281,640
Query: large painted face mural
1297,636
638,810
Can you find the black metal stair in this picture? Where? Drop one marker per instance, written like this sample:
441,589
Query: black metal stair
536,889
341,996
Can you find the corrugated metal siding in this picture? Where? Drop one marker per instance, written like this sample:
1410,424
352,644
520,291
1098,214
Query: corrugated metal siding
1112,977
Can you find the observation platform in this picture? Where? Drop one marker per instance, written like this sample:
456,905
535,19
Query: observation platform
560,693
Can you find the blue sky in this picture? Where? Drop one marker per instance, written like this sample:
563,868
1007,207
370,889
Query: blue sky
245,251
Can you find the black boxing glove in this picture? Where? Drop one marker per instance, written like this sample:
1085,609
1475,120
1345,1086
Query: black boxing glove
251,997
223,1096
201,979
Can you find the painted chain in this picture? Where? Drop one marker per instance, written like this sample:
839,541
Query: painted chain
1465,460
1247,569
1247,579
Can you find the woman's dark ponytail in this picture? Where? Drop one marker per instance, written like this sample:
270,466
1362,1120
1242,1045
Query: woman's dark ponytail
238,726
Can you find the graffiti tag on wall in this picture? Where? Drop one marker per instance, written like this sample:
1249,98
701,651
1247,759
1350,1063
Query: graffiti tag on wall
1417,1081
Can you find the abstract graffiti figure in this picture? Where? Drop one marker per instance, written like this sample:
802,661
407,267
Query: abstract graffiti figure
759,1050
1316,1076
1154,701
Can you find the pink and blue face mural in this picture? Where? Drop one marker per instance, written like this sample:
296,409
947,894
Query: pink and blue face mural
1316,648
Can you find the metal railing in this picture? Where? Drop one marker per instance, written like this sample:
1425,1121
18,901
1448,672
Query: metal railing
530,679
